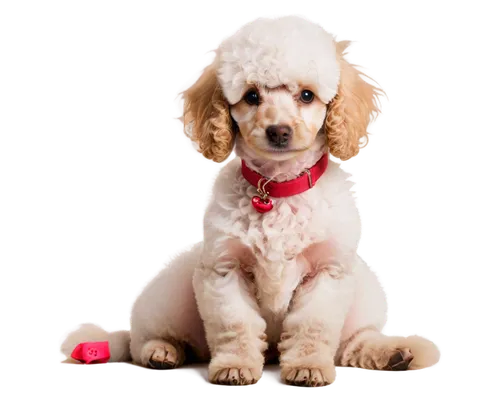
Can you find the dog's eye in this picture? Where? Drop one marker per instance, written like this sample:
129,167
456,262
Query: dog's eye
252,97
306,96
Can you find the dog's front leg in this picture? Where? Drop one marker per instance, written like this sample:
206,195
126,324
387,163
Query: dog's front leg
312,328
234,328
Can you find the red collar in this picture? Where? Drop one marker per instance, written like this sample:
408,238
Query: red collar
287,188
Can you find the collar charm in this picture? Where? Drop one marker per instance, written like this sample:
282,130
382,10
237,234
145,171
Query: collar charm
262,203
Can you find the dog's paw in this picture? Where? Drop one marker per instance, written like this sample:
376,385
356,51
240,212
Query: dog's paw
234,376
311,377
399,361
164,355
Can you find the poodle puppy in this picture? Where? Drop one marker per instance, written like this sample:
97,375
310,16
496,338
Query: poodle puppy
277,277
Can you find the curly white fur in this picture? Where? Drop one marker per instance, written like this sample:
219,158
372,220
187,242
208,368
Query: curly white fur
288,281
274,52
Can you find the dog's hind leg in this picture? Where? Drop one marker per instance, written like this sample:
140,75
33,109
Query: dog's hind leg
166,329
362,343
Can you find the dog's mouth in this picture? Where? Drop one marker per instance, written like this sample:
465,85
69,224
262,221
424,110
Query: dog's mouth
281,153
274,150
283,150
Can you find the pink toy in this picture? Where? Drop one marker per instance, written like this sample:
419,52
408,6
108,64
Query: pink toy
91,352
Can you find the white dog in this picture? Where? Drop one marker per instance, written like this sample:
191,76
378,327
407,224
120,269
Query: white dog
277,274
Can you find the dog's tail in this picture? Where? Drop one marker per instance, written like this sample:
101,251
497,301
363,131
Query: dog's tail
119,342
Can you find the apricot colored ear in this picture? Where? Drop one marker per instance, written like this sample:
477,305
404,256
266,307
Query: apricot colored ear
351,110
206,117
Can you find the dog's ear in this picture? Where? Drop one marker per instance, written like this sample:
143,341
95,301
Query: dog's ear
207,120
351,110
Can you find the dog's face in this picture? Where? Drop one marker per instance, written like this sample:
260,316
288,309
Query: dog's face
279,123
280,87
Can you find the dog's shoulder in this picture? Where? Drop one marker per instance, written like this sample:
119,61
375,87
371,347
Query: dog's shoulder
225,174
231,188
335,181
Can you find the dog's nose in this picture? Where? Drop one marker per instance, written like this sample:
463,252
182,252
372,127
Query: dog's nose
278,135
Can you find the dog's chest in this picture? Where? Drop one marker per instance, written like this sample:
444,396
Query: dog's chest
281,234
277,240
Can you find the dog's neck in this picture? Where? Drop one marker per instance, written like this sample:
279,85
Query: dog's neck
284,170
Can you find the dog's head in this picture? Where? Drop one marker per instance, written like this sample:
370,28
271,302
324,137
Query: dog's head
281,87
